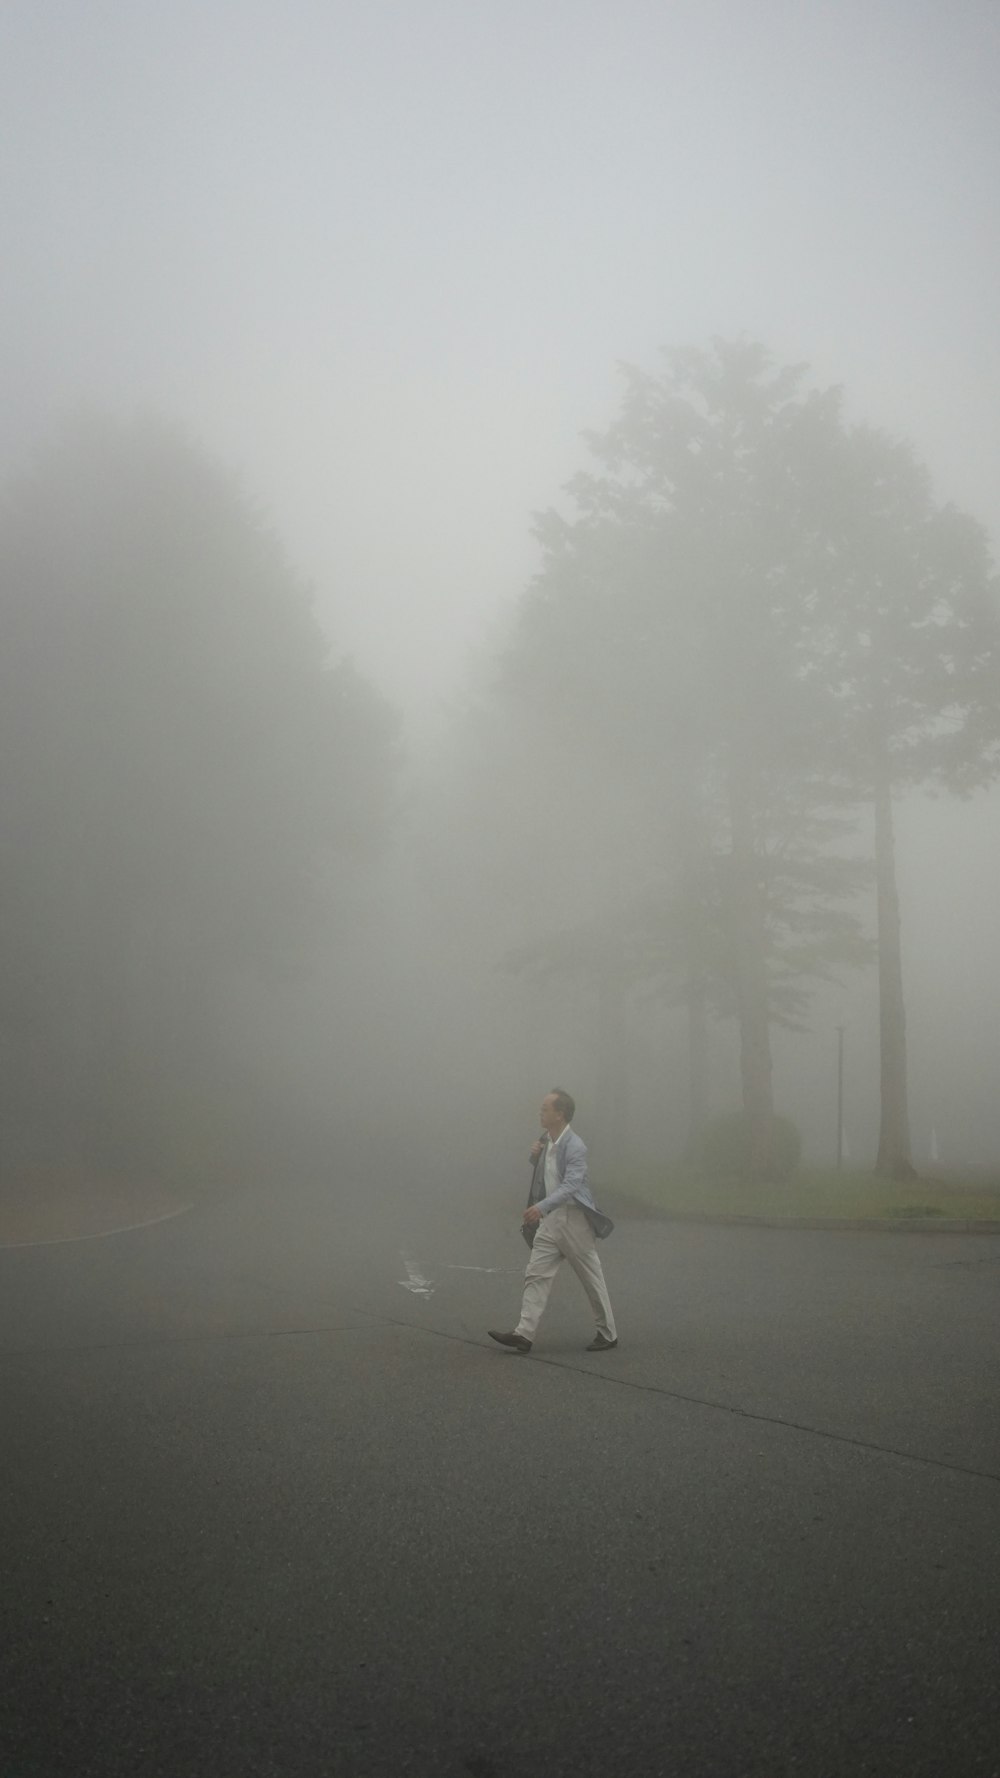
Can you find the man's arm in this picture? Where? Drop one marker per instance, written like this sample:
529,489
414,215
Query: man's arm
574,1176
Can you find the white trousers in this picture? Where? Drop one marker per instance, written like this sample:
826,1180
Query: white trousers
564,1233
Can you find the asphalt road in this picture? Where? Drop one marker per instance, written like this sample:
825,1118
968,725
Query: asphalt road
274,1505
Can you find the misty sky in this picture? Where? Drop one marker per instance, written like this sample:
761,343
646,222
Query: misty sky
384,257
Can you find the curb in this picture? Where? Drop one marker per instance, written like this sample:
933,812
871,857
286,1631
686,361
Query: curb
908,1225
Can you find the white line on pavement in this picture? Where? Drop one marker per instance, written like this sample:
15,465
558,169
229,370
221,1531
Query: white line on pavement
414,1280
126,1228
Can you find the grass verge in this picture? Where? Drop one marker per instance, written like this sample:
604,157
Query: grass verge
818,1193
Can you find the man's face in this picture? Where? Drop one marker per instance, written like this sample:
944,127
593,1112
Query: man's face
550,1118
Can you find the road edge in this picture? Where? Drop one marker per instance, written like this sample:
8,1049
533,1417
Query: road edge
125,1228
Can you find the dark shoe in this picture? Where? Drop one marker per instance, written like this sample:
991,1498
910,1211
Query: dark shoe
600,1344
518,1341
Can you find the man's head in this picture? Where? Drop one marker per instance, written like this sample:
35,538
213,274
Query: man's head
557,1111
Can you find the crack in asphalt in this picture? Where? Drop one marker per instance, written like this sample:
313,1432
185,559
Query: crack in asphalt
702,1401
372,1320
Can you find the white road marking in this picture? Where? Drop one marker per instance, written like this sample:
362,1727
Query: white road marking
414,1280
451,1268
126,1228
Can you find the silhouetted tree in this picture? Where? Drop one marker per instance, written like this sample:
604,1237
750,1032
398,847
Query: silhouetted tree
182,774
905,631
671,615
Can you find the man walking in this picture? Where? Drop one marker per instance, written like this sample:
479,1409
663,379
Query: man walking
562,1220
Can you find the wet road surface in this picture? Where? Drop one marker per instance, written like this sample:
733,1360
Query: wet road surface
275,1505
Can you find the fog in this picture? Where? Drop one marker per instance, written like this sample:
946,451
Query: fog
311,835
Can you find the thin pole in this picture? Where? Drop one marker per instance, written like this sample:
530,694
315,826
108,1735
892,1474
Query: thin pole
840,1097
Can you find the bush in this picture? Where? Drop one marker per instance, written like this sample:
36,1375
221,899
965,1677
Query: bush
724,1148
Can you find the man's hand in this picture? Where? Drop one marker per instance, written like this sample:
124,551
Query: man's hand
532,1215
536,1151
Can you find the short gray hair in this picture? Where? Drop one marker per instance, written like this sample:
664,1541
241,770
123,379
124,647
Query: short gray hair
565,1103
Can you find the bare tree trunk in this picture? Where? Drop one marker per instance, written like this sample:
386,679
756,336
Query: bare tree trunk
95,1064
697,1024
613,1080
750,964
894,1158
